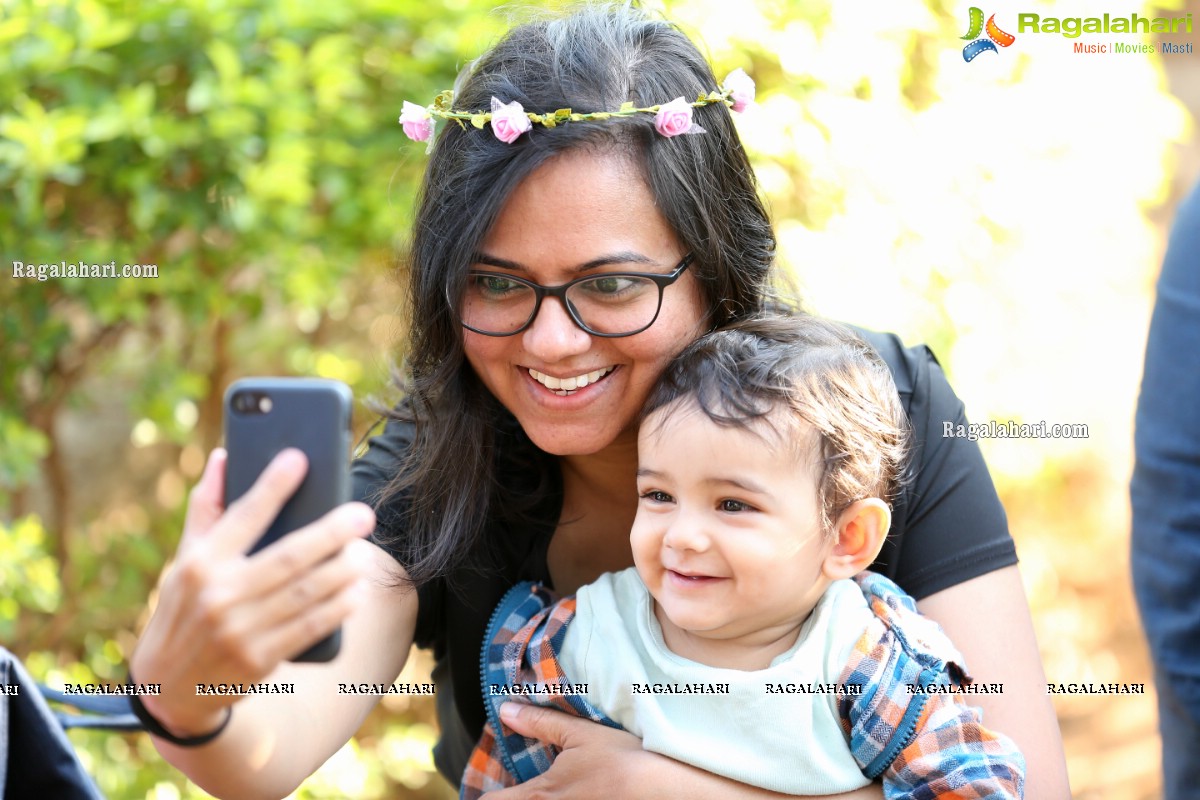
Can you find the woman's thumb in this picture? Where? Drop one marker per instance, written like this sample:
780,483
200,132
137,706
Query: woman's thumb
206,502
544,724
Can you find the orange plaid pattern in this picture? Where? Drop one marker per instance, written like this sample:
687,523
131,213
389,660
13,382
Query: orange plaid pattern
921,743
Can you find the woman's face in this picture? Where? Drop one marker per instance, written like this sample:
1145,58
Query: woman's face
582,213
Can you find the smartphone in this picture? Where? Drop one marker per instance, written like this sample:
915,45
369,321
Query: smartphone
266,415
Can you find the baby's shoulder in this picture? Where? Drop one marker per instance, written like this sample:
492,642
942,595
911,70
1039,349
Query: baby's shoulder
896,623
614,595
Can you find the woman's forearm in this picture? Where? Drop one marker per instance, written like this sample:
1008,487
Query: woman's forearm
275,741
258,756
727,790
590,750
696,784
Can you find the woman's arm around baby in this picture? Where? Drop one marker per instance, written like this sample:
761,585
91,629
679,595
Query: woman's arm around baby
602,763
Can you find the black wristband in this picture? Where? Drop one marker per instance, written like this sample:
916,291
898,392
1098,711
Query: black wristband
155,728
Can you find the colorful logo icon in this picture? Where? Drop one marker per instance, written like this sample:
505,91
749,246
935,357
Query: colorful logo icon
994,37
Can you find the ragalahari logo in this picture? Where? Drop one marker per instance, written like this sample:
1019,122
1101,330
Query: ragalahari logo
994,37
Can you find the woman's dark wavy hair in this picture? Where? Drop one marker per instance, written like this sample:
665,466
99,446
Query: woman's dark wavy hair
592,59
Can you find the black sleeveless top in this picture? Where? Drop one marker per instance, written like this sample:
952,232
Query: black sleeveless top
947,527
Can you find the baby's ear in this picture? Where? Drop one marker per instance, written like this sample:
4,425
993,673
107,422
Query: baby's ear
860,529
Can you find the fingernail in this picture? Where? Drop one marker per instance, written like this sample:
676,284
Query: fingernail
363,518
510,712
216,461
290,456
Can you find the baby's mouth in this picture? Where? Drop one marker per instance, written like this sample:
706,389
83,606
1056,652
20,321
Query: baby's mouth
692,578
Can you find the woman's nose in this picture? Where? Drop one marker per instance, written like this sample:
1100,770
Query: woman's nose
554,336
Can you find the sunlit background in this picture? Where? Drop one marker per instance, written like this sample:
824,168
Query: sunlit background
1010,211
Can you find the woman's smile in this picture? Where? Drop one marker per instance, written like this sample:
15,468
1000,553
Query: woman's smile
568,386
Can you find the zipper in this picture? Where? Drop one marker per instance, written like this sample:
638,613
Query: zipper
503,609
906,731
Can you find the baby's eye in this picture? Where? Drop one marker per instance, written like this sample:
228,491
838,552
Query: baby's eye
734,506
655,496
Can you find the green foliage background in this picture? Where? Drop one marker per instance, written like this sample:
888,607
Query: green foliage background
249,149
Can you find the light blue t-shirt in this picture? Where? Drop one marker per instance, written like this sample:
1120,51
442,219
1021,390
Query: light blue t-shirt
730,723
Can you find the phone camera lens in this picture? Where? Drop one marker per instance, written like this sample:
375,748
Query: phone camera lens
252,402
244,402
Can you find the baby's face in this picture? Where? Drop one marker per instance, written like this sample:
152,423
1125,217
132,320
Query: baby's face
728,536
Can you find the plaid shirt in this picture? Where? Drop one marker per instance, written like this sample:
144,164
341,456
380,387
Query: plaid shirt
922,744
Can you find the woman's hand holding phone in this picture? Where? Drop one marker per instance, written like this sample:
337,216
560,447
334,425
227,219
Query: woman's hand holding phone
227,617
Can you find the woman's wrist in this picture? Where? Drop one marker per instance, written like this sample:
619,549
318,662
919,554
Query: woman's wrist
191,734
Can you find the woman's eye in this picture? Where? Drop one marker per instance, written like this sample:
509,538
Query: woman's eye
610,286
496,285
734,506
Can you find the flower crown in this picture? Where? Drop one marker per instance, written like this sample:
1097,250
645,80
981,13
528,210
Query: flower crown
510,120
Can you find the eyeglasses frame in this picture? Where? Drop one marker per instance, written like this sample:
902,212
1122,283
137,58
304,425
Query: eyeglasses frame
662,281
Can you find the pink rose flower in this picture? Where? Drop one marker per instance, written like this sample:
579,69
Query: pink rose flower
418,125
741,88
509,120
675,118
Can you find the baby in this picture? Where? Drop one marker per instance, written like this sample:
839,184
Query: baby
747,640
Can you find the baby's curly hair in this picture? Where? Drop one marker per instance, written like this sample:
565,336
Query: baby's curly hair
830,381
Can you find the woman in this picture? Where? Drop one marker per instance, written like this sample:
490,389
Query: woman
514,453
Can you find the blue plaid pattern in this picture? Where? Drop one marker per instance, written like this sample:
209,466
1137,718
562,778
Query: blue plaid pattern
920,745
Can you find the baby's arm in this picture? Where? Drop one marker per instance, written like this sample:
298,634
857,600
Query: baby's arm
486,771
521,652
922,744
954,755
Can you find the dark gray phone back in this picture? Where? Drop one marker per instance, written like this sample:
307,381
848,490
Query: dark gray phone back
310,414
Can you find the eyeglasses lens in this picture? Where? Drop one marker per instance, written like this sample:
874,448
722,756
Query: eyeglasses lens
607,304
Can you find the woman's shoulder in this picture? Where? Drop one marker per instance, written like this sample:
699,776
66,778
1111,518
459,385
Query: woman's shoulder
388,443
523,508
948,524
925,393
378,461
910,364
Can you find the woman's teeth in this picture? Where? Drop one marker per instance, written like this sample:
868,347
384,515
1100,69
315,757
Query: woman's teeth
565,386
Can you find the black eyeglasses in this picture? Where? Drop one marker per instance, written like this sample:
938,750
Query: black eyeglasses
611,304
